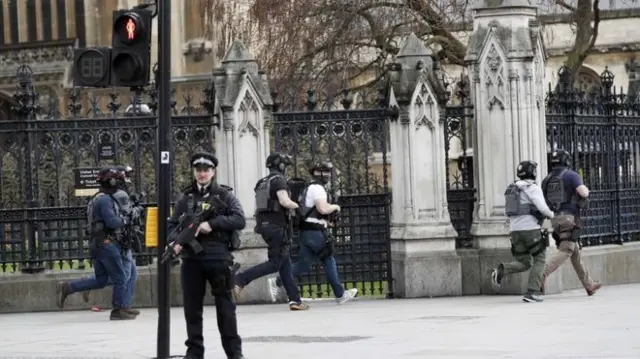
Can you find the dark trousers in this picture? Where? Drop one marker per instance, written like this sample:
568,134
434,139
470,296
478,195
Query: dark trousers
194,275
279,261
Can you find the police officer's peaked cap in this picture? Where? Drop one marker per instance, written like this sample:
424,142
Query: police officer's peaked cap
204,159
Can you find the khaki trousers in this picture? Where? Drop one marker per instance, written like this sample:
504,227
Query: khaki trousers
566,250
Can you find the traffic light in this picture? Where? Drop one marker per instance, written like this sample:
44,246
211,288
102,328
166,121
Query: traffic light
91,67
131,48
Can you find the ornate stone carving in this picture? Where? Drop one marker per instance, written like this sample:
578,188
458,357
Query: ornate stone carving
494,77
250,115
423,108
52,58
475,71
405,120
514,75
197,48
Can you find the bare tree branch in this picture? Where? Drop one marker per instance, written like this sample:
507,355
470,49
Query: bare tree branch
314,42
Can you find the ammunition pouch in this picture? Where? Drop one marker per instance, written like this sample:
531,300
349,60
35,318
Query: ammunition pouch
537,248
225,282
563,225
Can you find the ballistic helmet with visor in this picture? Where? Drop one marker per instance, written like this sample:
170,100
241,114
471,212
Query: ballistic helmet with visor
325,168
527,170
127,171
561,158
278,161
109,177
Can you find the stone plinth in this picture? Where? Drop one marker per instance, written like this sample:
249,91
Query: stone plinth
423,240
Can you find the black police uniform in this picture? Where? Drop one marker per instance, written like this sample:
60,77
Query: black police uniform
211,265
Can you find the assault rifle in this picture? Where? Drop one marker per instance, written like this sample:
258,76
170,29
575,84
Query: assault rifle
184,235
134,230
185,232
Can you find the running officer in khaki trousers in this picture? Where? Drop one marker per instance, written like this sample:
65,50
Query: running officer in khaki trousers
566,195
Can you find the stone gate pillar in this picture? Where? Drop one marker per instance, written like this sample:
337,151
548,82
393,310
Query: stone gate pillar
506,62
423,253
242,141
242,144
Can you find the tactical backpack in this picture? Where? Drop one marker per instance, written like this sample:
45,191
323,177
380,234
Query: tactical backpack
554,191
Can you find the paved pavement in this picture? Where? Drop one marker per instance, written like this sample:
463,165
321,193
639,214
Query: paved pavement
570,325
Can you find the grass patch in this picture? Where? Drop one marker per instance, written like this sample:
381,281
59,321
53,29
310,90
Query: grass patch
48,265
376,289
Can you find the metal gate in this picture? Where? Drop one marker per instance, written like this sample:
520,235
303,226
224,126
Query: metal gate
461,194
42,218
601,130
356,142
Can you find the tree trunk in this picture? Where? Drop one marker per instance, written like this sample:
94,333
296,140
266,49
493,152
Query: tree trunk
586,34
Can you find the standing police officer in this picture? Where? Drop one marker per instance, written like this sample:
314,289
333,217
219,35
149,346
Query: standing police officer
526,208
106,222
213,263
272,207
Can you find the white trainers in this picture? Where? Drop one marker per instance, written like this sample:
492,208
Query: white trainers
347,296
273,289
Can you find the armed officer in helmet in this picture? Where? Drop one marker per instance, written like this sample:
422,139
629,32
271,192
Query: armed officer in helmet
130,235
315,239
566,195
273,205
213,264
526,208
108,249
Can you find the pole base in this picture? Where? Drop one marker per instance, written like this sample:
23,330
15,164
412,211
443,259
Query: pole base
33,268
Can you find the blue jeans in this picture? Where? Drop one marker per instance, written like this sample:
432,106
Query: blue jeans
279,261
108,266
311,243
131,274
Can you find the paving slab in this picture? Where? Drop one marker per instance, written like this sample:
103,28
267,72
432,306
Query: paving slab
569,325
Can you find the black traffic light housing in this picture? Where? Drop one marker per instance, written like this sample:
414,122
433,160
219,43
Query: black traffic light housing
131,48
92,67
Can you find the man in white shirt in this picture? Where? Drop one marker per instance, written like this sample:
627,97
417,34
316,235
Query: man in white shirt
315,240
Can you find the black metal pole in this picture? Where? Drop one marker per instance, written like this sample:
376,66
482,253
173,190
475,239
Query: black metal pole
164,174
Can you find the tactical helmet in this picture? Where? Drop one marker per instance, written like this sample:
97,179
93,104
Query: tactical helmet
109,177
561,158
278,161
527,170
127,171
323,167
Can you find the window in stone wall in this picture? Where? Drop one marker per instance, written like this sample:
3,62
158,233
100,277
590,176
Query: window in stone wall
587,80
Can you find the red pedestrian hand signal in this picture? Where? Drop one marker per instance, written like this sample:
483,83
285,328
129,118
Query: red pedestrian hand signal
131,29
